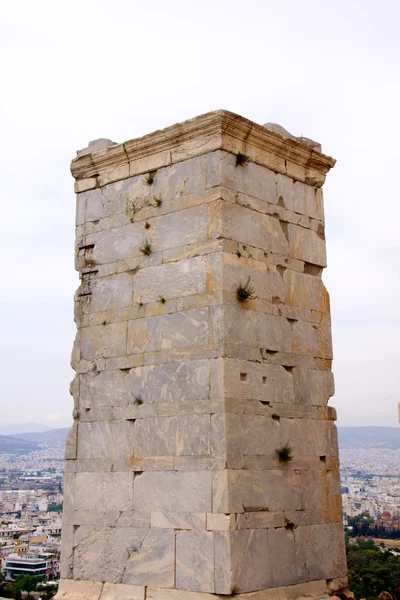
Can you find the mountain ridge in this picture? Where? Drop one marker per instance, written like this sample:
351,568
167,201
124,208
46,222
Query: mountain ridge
369,436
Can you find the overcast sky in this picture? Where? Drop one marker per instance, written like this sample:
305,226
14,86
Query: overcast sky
73,71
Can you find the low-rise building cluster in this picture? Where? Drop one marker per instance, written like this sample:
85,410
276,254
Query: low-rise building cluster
31,513
371,485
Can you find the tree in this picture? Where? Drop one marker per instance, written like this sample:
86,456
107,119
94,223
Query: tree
26,583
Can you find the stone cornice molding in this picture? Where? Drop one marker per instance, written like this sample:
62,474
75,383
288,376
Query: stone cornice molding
219,130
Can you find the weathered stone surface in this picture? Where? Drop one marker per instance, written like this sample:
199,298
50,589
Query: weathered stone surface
249,561
104,491
316,558
169,436
174,491
133,518
67,537
306,245
256,490
167,231
178,520
110,293
247,380
251,179
112,439
100,518
282,553
170,382
109,388
101,554
235,271
220,522
195,561
312,339
71,442
305,291
152,561
260,520
256,329
103,341
117,591
313,386
179,330
171,280
249,227
300,198
79,590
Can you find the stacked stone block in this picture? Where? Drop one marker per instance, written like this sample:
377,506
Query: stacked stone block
183,395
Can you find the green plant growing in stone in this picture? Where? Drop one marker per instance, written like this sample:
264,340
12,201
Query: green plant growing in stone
146,248
245,292
158,201
149,179
162,299
139,400
285,454
241,159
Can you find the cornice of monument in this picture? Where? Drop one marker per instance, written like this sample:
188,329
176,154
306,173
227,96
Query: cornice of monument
219,130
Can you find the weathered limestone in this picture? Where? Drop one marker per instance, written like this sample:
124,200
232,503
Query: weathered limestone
183,395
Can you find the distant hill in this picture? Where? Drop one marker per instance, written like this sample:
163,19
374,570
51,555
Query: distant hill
9,444
22,428
48,437
369,437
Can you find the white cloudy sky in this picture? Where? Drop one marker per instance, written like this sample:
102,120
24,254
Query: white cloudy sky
73,71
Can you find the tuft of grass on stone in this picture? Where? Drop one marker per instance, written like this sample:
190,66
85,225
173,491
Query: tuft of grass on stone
285,454
162,299
158,201
139,400
241,159
146,248
245,292
149,179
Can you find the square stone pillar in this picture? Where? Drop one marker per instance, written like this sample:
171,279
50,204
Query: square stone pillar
203,459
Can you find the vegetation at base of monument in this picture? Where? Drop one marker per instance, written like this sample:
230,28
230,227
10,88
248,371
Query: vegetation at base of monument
371,570
150,178
25,583
245,292
162,299
139,400
146,248
362,525
285,454
241,159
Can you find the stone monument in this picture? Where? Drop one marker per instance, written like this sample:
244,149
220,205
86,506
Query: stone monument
203,459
